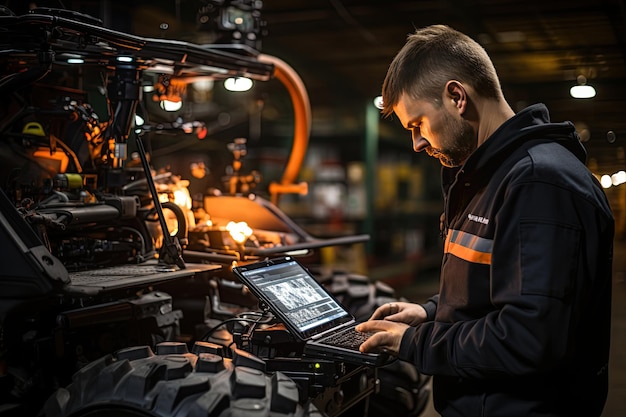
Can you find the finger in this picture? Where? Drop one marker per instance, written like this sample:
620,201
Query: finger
379,313
375,343
382,341
401,317
374,326
395,317
385,310
410,316
366,326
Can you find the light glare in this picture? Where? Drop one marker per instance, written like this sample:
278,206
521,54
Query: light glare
606,182
618,178
240,231
171,105
582,91
238,84
378,102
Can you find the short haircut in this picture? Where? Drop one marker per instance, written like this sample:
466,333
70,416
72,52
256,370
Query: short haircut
430,58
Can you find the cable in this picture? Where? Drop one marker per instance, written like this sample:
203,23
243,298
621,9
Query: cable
260,320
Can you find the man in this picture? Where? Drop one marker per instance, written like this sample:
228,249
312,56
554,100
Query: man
521,324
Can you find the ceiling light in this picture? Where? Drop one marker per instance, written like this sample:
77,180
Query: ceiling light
378,102
73,58
582,90
168,105
238,84
618,178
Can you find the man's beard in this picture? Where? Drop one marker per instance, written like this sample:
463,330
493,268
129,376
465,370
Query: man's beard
460,142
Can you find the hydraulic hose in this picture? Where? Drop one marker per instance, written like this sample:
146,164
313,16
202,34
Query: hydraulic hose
302,127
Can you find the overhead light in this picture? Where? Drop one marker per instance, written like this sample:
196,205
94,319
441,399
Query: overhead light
618,178
238,84
73,58
582,90
378,102
168,105
169,92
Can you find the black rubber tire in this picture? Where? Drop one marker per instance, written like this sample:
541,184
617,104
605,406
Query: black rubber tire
402,392
176,383
355,291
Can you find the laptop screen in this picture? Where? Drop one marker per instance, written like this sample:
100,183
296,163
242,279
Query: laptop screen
294,295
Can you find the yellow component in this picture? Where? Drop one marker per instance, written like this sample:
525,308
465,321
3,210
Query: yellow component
34,128
74,181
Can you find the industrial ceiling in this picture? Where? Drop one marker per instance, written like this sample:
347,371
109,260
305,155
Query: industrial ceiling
539,48
341,50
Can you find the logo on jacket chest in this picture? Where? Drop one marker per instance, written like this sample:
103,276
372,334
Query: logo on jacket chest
478,219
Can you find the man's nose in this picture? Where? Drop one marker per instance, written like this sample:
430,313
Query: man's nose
419,143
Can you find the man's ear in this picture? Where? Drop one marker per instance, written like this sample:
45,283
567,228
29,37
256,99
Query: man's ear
455,91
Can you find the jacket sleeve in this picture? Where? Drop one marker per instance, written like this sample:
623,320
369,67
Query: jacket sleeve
431,307
545,254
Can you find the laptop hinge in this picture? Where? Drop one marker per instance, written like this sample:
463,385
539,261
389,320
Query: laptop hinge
334,329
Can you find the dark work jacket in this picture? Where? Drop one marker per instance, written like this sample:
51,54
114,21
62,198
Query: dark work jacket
521,324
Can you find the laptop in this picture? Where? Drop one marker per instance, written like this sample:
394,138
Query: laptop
29,269
309,312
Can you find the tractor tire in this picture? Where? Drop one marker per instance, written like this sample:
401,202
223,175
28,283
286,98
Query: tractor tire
356,292
402,391
176,383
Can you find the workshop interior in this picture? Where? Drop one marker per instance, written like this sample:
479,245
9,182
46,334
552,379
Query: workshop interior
148,148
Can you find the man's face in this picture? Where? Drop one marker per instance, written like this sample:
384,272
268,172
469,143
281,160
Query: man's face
440,131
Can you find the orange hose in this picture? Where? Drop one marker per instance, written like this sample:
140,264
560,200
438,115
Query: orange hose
302,122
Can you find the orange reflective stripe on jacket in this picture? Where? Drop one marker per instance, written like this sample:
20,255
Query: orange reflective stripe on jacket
469,247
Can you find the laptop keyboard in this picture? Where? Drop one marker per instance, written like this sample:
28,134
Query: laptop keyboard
349,339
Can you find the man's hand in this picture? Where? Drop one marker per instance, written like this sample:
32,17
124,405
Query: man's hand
387,337
409,313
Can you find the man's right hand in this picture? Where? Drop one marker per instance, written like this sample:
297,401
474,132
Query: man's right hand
401,312
387,336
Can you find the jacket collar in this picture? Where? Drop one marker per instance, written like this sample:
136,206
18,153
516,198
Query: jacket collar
531,123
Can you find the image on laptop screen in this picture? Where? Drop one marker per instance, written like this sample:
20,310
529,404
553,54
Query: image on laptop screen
295,293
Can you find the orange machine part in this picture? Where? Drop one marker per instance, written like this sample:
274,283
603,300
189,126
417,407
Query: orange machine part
302,127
